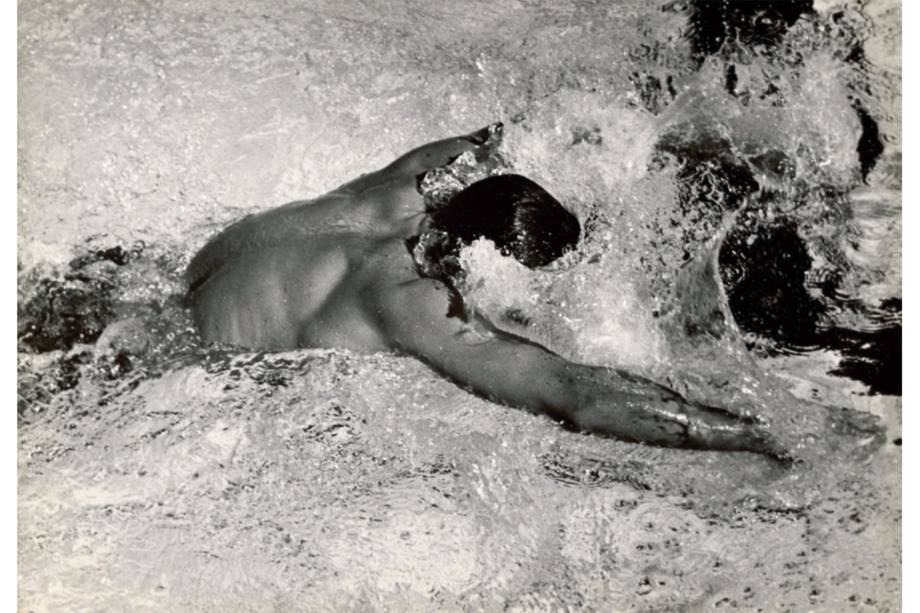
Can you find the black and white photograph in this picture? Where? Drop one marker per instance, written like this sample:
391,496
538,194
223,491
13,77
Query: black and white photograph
470,305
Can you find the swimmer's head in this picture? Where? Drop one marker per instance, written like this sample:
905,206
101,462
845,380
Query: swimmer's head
519,216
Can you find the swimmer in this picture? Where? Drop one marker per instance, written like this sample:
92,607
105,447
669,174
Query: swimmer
368,269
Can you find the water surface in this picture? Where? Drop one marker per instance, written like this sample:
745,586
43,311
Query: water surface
742,215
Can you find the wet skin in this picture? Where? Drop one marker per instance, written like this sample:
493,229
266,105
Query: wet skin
335,272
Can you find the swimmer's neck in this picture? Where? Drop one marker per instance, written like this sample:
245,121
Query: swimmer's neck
405,209
404,218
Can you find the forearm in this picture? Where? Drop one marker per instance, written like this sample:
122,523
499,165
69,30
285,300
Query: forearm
516,374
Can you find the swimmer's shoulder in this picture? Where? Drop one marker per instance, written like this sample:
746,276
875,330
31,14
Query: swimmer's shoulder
299,220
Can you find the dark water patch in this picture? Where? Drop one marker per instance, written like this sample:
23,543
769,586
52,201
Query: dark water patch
764,272
764,268
60,316
118,255
60,311
869,148
873,357
713,23
63,312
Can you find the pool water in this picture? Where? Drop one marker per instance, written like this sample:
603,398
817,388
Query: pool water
741,207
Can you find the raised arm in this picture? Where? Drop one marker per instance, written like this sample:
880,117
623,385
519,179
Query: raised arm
519,373
440,152
421,159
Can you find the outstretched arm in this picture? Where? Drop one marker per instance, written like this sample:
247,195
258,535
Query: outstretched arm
519,373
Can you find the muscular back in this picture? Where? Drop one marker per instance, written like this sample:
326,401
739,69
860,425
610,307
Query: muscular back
296,294
386,208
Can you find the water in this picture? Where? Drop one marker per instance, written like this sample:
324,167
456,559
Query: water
742,245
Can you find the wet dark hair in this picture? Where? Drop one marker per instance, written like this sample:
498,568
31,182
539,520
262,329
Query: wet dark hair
519,216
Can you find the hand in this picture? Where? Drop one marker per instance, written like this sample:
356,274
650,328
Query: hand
441,153
647,412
